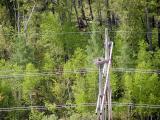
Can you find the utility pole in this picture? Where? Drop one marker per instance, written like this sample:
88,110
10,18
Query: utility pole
104,96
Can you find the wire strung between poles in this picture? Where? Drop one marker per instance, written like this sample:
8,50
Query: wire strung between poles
61,106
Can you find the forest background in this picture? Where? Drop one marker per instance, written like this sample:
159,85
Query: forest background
48,49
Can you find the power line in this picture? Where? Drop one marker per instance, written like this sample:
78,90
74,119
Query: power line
75,71
115,104
56,33
134,70
91,32
130,31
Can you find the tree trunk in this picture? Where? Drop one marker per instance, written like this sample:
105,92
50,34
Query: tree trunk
70,13
158,26
18,18
109,22
83,13
75,8
37,27
82,10
159,34
12,6
99,13
90,8
79,20
149,30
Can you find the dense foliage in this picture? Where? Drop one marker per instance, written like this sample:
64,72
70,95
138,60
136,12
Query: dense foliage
48,49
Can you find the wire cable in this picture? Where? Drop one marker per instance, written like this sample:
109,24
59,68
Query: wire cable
75,71
82,33
115,104
78,70
55,33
